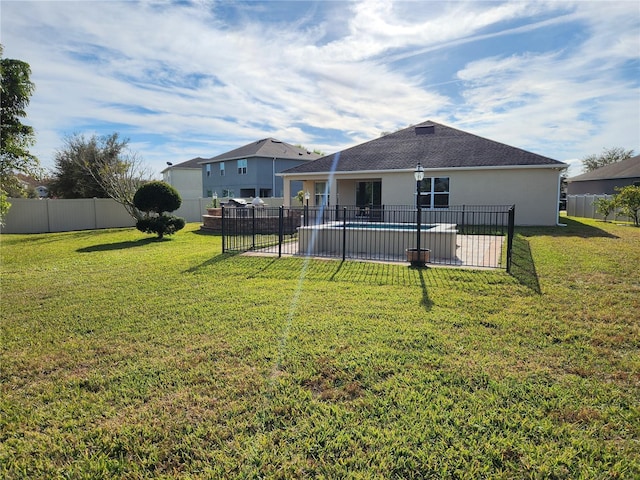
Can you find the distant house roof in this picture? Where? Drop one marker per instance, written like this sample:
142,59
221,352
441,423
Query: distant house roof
267,147
436,146
629,168
193,163
27,181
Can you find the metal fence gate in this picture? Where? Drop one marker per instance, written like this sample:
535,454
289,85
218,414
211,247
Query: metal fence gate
472,236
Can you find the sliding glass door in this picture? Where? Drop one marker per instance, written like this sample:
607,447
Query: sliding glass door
369,194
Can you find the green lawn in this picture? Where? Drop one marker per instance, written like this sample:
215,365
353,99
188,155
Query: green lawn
124,357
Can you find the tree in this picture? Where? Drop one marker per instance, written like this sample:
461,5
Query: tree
72,177
607,157
317,151
15,138
98,167
156,199
122,180
605,206
628,201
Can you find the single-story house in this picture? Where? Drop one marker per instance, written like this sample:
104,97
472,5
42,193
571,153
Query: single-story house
186,177
31,186
459,169
250,171
604,180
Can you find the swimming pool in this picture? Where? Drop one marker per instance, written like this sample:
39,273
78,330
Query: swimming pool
377,240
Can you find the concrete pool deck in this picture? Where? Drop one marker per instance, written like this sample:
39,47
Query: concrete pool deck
472,251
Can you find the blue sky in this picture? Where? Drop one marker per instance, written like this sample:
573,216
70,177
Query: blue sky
187,79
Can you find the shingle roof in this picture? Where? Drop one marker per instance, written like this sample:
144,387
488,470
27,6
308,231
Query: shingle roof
194,163
629,168
433,144
267,147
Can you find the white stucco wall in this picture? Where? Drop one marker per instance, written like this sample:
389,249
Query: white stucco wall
187,181
534,191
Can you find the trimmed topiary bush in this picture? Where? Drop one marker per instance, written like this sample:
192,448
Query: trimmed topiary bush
155,199
161,225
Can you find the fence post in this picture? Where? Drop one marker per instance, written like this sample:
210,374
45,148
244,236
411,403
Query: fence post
510,233
344,234
48,216
222,229
253,228
280,229
95,213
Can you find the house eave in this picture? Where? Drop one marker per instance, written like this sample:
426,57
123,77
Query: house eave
560,166
186,169
231,159
227,159
569,180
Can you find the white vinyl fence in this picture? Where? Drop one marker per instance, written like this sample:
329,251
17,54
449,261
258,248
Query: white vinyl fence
28,215
582,206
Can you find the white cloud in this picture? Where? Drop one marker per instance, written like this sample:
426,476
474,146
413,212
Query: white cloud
380,26
566,101
204,83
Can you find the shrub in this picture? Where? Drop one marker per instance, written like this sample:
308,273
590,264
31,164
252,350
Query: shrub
160,225
155,199
628,200
605,206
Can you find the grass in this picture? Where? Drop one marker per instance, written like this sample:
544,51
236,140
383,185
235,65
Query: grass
125,357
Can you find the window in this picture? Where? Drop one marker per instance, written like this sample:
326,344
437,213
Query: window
227,193
434,192
208,169
265,192
222,169
322,194
247,192
242,167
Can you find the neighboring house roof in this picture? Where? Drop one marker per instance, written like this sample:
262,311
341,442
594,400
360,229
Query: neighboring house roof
194,163
435,145
629,168
267,147
27,181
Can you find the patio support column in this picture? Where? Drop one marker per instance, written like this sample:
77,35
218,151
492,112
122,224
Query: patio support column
286,185
333,190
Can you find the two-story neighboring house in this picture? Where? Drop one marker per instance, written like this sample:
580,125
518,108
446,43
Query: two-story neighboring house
186,177
250,171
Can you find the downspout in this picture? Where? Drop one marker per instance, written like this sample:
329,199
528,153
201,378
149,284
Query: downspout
558,224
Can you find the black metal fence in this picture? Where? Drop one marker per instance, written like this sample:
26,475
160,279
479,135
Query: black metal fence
474,236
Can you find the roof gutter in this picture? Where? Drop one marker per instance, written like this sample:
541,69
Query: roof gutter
560,166
228,159
242,157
